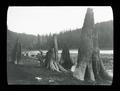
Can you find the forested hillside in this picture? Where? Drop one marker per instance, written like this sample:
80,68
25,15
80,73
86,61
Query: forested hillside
105,30
69,38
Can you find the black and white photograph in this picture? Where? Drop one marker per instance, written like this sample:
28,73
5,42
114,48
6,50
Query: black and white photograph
60,45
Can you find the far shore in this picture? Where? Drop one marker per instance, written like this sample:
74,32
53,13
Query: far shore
75,51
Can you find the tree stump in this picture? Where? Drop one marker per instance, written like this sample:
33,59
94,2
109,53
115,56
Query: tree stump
51,59
89,64
66,61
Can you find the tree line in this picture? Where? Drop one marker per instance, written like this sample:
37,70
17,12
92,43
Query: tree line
68,38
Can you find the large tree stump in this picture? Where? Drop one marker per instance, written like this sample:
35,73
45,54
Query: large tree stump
66,61
51,59
89,64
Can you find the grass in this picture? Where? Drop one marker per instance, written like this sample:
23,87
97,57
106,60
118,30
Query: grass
25,74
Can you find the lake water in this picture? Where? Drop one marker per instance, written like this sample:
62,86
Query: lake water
76,51
71,52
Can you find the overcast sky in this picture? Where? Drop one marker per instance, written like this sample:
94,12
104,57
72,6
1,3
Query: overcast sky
43,20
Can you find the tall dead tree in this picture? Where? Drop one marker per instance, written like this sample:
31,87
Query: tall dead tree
55,47
89,64
16,53
51,59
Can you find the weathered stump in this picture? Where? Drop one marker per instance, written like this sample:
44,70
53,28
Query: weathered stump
66,61
51,59
89,64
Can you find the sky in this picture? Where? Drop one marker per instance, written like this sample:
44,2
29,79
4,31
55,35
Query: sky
52,19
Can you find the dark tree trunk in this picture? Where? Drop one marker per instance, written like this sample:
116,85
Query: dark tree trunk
89,64
66,61
55,47
16,53
19,53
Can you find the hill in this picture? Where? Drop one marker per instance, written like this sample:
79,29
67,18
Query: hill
69,38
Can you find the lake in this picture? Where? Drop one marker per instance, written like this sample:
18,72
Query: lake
76,51
35,52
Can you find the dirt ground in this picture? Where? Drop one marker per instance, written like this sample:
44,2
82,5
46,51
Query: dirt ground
32,75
